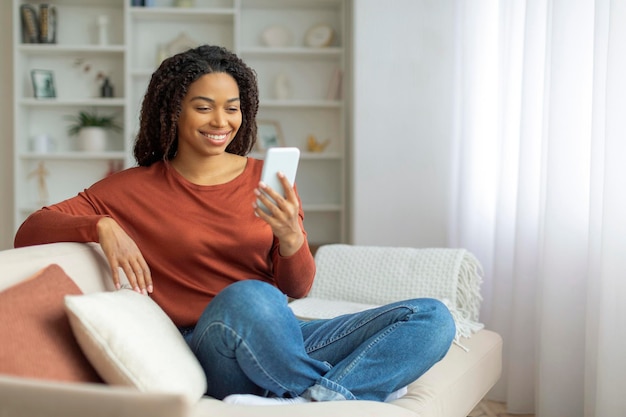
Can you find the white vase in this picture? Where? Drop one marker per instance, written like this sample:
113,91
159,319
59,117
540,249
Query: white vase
92,139
103,29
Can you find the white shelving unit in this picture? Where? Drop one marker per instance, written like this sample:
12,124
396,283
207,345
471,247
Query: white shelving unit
137,35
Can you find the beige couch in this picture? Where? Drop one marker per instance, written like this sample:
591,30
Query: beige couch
450,389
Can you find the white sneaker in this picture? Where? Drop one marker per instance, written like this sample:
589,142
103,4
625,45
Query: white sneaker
397,394
249,399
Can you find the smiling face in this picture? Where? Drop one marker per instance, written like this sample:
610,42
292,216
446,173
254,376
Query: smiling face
210,116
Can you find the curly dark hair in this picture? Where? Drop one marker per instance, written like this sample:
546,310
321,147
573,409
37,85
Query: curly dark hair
158,135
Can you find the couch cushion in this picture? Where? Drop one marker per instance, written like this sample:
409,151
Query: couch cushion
37,340
453,386
211,407
132,342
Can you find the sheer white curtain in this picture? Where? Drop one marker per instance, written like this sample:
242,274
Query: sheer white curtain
540,195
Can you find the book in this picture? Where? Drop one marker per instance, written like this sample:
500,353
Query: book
30,24
47,23
334,88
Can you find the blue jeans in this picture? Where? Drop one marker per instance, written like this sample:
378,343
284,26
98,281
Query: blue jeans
249,342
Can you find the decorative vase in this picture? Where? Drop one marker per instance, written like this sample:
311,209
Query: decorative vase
42,144
103,29
92,139
106,90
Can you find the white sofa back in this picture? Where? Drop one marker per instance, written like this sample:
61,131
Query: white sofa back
85,264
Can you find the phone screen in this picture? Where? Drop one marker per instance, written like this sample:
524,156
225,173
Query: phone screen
277,160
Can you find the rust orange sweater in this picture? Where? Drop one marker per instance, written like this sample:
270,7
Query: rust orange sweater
195,239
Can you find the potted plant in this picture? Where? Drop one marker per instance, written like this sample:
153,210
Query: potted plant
91,129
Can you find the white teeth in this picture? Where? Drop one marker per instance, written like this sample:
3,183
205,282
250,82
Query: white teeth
216,137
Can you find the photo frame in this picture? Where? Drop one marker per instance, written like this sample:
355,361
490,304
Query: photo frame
269,135
43,83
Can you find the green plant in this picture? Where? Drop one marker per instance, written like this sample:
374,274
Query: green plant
91,118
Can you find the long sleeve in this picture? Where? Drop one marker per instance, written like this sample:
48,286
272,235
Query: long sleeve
294,274
73,220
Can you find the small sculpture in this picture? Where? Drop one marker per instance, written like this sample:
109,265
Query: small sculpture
282,87
41,173
314,146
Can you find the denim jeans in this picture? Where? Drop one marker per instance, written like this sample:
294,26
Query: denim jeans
249,342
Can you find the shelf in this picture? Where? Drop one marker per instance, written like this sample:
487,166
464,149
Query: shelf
56,102
75,155
57,49
29,210
310,208
291,4
210,15
90,3
291,52
300,103
320,155
142,72
306,155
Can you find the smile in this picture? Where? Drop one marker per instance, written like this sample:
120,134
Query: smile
222,136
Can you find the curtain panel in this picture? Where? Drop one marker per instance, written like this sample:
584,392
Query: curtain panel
537,195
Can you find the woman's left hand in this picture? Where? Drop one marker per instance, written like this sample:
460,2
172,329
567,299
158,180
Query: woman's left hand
283,217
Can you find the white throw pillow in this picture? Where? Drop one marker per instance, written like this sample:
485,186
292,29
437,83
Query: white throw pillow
130,341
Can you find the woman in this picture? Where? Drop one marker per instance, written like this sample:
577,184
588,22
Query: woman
185,228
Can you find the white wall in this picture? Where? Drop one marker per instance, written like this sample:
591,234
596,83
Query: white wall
402,112
6,127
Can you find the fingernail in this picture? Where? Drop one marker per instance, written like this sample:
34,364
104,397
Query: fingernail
257,192
118,286
137,289
280,174
262,184
150,288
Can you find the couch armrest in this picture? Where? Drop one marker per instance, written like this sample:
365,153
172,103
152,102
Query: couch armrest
85,263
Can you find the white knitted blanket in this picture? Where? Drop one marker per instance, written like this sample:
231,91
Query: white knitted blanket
353,278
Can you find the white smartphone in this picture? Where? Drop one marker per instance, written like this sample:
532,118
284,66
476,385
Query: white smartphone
280,159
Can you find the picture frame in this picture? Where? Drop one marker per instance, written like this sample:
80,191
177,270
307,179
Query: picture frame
270,135
43,83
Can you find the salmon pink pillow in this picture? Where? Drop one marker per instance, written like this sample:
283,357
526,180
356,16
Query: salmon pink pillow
37,340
